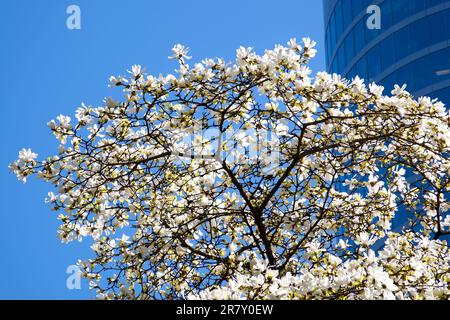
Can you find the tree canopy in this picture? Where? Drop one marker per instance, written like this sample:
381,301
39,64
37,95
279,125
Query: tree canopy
255,179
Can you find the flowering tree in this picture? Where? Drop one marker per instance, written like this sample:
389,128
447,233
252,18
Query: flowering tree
213,216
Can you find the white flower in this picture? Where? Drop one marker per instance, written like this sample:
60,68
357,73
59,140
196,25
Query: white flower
117,81
51,198
382,277
373,184
26,155
282,129
272,106
51,124
64,121
179,52
343,244
242,53
308,43
365,239
81,114
124,240
309,47
292,43
204,200
209,179
314,247
375,89
358,86
399,171
425,102
112,243
135,70
398,90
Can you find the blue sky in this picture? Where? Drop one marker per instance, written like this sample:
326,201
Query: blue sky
47,70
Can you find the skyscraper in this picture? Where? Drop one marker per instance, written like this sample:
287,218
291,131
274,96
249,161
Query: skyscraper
411,46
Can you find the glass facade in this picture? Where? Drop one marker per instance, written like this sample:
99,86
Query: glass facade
412,46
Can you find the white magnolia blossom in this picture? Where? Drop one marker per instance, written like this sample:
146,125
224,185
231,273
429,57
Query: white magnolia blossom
180,52
135,70
26,155
176,189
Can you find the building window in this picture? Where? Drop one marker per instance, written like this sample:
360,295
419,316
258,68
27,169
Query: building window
387,52
386,16
347,13
361,68
357,6
359,35
328,54
432,3
333,30
389,82
400,9
402,43
334,66
338,14
351,74
437,22
420,71
421,39
349,48
341,56
416,6
373,63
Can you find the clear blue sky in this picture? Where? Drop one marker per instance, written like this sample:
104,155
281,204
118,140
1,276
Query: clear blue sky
46,70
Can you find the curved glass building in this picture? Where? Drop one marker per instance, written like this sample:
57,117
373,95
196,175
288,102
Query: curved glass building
412,46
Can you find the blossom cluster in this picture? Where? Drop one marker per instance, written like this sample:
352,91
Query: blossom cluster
408,267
